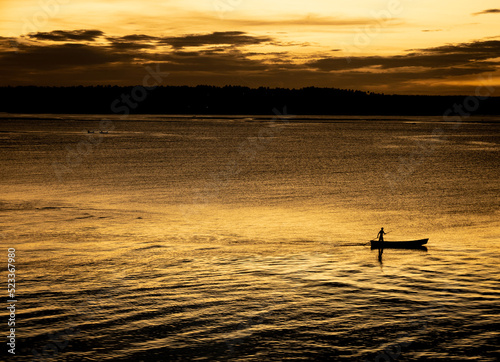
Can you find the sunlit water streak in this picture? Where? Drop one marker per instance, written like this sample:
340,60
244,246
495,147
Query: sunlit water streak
179,239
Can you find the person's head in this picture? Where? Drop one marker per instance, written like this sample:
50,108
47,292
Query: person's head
381,228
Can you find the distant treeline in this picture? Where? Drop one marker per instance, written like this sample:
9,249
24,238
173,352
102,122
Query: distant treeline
234,100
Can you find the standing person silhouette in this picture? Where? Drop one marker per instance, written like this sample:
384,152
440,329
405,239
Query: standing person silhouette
381,234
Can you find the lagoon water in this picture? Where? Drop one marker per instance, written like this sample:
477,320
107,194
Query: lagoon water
244,238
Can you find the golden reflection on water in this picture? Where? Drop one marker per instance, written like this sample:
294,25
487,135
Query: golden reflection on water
276,264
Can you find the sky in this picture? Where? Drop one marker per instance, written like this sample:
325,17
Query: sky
386,46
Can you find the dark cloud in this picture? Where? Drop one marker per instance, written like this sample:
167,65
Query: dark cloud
191,54
132,42
236,38
222,64
122,61
40,58
469,56
484,49
8,42
488,11
208,62
229,38
134,38
130,46
61,35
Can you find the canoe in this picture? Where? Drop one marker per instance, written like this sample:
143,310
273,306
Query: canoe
410,244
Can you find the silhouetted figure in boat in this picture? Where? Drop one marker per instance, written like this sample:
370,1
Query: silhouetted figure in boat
381,234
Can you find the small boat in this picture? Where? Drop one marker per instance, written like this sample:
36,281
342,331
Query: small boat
410,244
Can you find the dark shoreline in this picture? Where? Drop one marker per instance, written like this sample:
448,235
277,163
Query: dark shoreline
230,100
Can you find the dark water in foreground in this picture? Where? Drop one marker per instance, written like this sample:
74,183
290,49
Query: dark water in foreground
244,239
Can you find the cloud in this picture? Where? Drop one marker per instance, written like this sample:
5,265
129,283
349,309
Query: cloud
61,35
488,11
220,58
485,49
231,38
8,43
133,42
128,46
41,58
210,63
236,38
467,56
135,37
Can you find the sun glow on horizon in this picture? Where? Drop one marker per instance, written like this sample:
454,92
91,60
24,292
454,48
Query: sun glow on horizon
323,43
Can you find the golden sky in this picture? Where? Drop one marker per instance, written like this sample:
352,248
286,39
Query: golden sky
390,46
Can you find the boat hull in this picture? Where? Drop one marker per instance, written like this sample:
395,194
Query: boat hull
410,244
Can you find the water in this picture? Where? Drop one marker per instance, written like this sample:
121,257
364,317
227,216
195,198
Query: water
244,238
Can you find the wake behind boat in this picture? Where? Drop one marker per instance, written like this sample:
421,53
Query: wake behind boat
409,244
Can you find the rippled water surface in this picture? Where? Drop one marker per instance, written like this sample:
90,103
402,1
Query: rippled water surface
245,238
